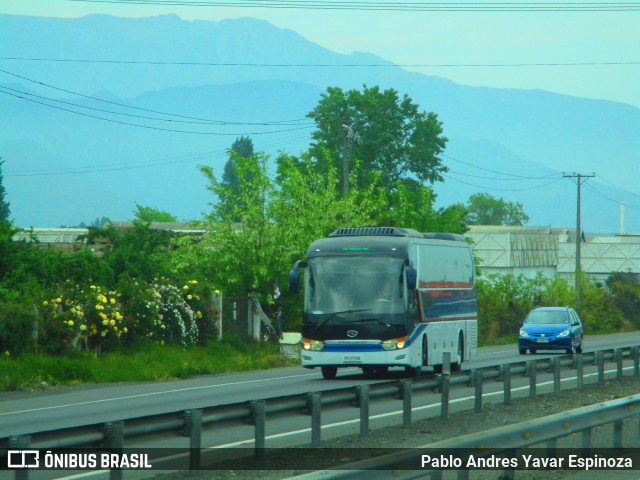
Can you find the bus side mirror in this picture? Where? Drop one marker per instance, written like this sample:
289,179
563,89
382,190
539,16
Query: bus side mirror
412,278
294,276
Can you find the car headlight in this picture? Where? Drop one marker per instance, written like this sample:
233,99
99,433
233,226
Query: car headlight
394,343
313,345
565,333
523,333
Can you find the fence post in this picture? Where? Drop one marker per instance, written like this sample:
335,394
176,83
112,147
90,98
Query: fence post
506,378
617,433
552,448
443,380
600,364
635,355
477,381
314,404
586,440
259,421
114,439
362,400
193,430
20,442
406,395
618,356
580,371
556,376
533,380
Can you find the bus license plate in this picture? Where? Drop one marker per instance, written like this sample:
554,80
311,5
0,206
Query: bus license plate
542,340
352,358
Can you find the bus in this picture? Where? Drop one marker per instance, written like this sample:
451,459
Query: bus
381,297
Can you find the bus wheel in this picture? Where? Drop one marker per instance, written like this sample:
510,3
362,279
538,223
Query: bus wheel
329,372
457,364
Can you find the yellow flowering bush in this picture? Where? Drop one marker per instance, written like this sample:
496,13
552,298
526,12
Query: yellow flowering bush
80,319
98,318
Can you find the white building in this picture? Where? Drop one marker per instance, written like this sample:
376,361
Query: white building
551,251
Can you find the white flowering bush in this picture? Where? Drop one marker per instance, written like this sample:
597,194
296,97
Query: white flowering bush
176,321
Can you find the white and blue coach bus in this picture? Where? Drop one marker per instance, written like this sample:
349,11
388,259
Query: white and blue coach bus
380,297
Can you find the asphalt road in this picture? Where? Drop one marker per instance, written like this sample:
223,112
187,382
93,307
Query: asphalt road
49,411
119,402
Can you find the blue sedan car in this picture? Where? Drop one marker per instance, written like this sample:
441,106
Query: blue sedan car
551,328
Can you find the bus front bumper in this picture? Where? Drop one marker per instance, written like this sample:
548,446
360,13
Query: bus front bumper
355,358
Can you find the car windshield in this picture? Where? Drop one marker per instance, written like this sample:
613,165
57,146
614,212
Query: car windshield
547,317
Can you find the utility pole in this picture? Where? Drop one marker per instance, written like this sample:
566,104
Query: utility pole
581,178
345,160
348,137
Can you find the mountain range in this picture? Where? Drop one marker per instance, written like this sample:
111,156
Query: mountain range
101,112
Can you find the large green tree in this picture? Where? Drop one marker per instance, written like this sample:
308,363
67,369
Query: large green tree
485,209
386,134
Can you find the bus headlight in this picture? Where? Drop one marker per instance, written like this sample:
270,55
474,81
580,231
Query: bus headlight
394,343
313,345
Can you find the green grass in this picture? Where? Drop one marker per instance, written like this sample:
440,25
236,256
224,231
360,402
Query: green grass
144,363
493,342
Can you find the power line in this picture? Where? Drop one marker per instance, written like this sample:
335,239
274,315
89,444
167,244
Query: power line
320,65
592,189
174,160
144,117
523,179
616,186
503,189
517,177
393,6
150,127
215,122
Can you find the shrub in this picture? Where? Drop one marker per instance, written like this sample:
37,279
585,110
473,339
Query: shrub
17,324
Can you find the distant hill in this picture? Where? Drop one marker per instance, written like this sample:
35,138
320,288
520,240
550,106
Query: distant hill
523,133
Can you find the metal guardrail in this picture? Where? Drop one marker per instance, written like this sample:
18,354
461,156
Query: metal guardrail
190,423
501,440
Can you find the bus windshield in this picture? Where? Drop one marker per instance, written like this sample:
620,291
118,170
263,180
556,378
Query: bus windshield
364,283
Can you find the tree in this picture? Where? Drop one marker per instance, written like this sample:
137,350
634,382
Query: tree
309,205
149,214
257,237
5,211
387,134
242,147
485,209
625,290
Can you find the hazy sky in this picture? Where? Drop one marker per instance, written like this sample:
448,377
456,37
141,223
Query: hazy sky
474,41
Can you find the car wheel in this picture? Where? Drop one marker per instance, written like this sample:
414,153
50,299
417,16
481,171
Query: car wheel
329,372
571,348
579,349
533,351
523,351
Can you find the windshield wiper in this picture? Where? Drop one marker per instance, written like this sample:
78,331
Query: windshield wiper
365,320
339,313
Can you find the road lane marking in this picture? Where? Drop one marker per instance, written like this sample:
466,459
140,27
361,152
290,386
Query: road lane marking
347,422
141,395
